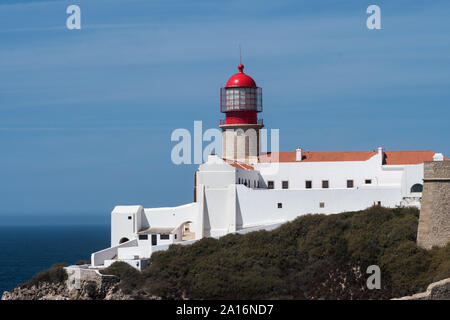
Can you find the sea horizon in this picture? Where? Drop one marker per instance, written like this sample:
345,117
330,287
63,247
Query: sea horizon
28,249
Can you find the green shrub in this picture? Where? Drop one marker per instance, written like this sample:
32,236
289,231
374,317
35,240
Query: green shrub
313,257
130,278
56,274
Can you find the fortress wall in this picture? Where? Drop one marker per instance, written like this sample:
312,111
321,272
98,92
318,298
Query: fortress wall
434,221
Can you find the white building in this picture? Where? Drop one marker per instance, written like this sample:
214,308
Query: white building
246,190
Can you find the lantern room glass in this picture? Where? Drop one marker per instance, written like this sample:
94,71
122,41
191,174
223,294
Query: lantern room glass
246,99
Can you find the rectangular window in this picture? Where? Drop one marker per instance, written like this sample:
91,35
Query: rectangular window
322,204
270,184
325,184
285,184
129,217
154,240
143,237
280,205
308,184
164,237
368,181
349,183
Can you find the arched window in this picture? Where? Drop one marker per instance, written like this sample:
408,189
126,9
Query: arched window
417,188
123,240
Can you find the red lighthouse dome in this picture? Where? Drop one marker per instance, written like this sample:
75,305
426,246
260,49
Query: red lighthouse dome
240,79
241,100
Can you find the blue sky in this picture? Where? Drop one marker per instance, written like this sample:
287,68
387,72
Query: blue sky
86,116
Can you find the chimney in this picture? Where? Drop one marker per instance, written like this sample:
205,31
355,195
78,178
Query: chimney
298,154
381,154
438,157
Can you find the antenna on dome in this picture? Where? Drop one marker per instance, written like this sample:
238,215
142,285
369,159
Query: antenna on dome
240,54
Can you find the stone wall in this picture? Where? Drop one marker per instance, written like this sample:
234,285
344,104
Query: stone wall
81,284
436,291
434,221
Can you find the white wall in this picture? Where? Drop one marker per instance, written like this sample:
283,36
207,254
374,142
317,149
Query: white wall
216,211
413,174
122,226
337,173
223,206
98,258
170,216
260,206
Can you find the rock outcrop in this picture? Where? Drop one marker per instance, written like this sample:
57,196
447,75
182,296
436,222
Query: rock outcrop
436,291
82,284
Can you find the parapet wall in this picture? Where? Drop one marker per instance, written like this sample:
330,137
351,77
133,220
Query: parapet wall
434,221
436,291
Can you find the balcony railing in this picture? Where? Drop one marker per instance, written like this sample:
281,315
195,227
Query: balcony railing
224,121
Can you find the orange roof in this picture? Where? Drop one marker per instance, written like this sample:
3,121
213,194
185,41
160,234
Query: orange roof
239,165
319,156
408,157
390,157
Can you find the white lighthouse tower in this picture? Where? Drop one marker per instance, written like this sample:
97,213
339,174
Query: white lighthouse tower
241,101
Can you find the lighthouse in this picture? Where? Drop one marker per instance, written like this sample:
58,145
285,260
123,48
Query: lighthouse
241,101
237,194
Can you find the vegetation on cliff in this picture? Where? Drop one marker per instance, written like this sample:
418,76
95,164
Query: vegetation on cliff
55,275
313,257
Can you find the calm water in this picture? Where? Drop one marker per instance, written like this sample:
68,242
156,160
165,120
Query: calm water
24,251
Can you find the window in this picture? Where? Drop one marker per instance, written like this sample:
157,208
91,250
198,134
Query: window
123,240
308,184
325,184
164,237
239,181
143,237
154,240
368,181
322,205
270,184
417,188
379,203
285,184
280,205
175,236
349,183
129,217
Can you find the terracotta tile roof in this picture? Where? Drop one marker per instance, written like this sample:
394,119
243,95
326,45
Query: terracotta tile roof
239,165
408,157
319,156
390,157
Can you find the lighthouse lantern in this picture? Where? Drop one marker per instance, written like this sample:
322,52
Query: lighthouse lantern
241,101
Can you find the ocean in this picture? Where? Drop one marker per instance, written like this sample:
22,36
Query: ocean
26,250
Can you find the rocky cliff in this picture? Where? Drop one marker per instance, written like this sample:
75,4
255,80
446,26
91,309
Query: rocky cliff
81,284
313,257
436,291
